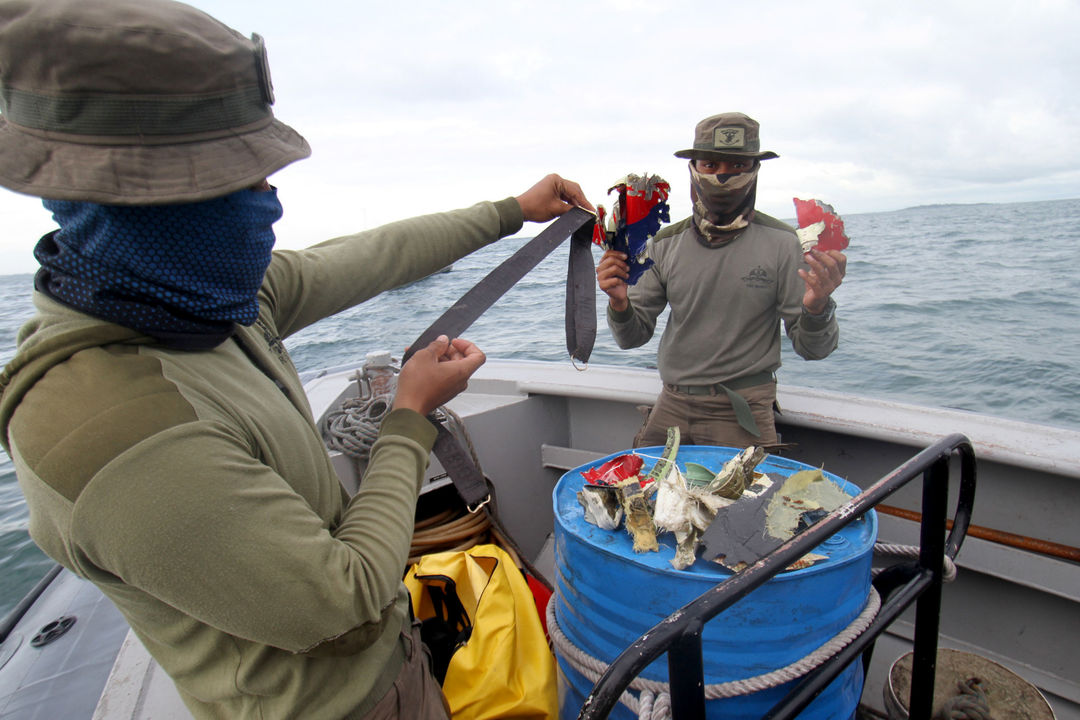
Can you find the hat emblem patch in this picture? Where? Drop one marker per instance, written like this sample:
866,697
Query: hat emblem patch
729,137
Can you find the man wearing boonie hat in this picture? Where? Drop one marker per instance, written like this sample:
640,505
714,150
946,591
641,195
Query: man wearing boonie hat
730,274
158,428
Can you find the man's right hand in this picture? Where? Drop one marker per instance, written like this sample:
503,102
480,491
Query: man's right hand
611,275
435,375
550,198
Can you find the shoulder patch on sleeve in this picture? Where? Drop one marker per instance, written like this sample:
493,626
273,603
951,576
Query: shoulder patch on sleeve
761,218
87,410
673,230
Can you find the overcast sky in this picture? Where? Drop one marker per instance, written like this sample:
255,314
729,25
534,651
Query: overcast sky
413,107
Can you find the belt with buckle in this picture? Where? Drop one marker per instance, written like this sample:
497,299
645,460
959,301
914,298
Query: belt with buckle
738,402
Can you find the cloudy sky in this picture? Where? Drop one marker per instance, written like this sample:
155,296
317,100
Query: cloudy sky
412,107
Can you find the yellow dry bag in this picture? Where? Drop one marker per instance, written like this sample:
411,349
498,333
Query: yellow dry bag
488,647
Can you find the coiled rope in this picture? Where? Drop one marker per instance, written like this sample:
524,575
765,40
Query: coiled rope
654,702
450,530
353,427
969,703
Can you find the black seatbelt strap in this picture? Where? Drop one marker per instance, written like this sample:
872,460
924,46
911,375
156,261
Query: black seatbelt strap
466,477
483,295
581,295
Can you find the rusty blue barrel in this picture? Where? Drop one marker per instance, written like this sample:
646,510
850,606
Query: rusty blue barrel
606,596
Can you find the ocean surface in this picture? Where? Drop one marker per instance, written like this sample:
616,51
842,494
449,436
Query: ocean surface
975,307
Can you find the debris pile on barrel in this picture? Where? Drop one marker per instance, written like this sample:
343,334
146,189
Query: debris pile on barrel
733,515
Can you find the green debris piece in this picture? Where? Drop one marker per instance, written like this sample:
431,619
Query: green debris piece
698,475
738,473
667,458
802,492
686,550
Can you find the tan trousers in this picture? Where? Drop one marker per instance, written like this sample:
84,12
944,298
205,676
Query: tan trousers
415,694
710,419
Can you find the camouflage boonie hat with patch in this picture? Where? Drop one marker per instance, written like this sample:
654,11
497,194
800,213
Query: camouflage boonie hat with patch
134,102
726,135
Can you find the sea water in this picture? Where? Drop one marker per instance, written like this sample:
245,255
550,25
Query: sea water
975,307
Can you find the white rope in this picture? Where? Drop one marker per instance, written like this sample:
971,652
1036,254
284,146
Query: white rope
354,426
948,569
658,698
654,702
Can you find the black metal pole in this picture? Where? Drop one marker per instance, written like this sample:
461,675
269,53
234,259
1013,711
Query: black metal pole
686,674
928,607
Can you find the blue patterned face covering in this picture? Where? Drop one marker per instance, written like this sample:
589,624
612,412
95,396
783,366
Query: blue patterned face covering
183,274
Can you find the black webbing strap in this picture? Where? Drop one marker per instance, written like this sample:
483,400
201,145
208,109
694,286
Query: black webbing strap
581,295
467,479
483,295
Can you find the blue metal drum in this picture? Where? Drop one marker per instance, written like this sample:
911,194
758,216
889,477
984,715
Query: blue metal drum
607,596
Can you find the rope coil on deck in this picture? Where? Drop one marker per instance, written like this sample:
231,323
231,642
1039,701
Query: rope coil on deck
654,698
969,703
444,533
353,427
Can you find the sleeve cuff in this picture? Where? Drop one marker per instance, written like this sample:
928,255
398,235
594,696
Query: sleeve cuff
822,319
410,424
621,316
510,217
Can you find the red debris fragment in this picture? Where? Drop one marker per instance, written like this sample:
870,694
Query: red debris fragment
809,212
599,233
615,470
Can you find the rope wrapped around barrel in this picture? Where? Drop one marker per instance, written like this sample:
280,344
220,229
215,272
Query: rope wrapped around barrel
948,567
654,702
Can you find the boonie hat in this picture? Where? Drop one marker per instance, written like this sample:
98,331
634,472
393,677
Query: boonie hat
725,135
134,102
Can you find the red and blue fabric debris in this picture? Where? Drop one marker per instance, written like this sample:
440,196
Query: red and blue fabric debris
832,237
638,212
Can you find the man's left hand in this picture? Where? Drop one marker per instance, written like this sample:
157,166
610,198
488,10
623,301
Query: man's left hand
826,272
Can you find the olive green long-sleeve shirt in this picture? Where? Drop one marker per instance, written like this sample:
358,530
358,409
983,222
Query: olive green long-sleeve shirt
726,302
195,490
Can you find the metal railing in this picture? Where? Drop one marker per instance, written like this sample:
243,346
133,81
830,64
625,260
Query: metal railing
679,635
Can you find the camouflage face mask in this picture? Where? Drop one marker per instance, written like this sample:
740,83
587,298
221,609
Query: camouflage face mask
723,204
